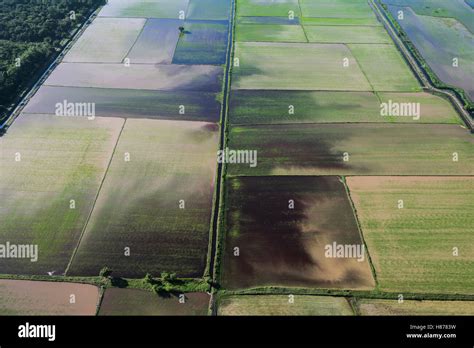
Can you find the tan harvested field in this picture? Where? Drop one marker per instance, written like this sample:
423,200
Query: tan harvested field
139,302
392,307
24,297
47,161
280,305
282,246
139,203
119,34
412,247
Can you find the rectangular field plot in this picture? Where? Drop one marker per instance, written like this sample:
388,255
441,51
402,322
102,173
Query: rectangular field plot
267,20
347,34
157,42
362,149
413,247
271,8
203,42
24,297
392,307
369,21
266,106
279,305
106,40
140,302
296,67
130,103
336,8
156,200
282,227
209,9
270,33
439,40
385,68
51,169
145,8
203,78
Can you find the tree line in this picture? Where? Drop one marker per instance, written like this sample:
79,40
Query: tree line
31,33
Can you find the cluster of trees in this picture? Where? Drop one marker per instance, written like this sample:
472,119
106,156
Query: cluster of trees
31,32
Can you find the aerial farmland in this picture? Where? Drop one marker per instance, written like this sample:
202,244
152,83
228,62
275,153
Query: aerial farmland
245,158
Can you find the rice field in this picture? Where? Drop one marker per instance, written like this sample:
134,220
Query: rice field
282,107
203,78
257,305
145,8
385,68
130,103
270,8
412,247
208,10
293,67
119,34
282,226
354,149
157,203
393,307
270,33
336,9
347,34
32,298
139,302
51,171
156,43
203,42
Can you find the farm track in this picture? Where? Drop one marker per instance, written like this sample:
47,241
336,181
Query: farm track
416,68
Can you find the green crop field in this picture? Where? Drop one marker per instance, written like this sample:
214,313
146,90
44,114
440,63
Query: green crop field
270,8
119,33
385,68
393,307
368,21
208,9
413,247
140,302
281,244
46,162
296,67
347,34
24,297
372,149
336,8
270,33
280,305
273,107
139,202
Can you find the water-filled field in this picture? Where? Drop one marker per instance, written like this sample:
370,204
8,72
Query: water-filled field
131,103
140,302
282,227
119,34
155,200
413,247
51,171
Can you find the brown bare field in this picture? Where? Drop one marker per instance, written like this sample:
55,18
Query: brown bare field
139,302
286,247
25,297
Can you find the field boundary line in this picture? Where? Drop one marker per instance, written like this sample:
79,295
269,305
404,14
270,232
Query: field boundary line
360,67
359,228
301,22
95,199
